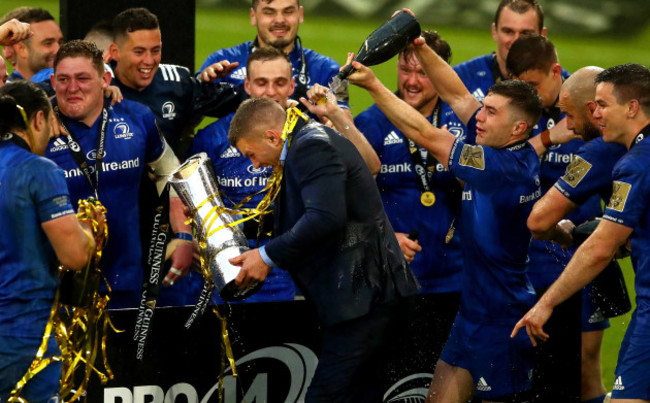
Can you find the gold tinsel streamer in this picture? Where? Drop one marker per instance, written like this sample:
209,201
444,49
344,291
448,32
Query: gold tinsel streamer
76,327
272,190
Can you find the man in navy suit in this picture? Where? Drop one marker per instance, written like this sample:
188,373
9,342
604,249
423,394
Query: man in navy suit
333,236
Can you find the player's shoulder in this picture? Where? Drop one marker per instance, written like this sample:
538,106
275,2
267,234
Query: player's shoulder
173,72
215,130
636,159
129,107
475,65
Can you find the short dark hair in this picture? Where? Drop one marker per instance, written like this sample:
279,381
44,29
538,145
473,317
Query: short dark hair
254,3
250,114
531,52
523,97
29,96
80,48
134,19
266,54
33,15
103,27
630,81
435,42
16,13
521,7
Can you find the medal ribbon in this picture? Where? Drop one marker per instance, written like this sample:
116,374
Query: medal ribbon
77,153
424,167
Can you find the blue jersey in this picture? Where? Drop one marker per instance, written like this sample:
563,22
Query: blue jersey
320,69
548,259
237,178
630,206
32,191
179,101
590,172
437,266
42,78
132,140
501,186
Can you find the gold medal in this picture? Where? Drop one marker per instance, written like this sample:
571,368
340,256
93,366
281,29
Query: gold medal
427,199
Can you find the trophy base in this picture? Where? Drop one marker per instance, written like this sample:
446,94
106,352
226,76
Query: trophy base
230,292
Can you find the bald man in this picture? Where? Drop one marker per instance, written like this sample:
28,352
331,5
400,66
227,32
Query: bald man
588,174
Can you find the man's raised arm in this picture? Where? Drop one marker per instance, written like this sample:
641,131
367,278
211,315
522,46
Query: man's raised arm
409,121
446,82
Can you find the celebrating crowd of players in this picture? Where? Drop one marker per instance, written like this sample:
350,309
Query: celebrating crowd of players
477,158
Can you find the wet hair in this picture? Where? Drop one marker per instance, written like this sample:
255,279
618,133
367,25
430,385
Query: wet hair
80,48
531,52
133,19
266,54
254,3
630,81
25,94
521,7
523,98
252,113
435,42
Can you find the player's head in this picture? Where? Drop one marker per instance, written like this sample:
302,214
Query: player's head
577,102
510,110
256,130
8,51
137,48
413,84
276,22
79,81
622,101
101,34
269,75
533,59
513,19
37,53
26,112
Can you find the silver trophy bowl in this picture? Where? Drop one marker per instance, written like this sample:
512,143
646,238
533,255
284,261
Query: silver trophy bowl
194,181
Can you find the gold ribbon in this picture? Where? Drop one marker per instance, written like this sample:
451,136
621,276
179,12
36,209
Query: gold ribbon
76,328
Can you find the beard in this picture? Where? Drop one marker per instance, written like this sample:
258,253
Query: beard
590,132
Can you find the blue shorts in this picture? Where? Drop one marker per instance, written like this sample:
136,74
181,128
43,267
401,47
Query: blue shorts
592,319
632,376
499,365
16,355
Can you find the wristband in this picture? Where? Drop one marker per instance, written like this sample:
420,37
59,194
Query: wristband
545,136
184,236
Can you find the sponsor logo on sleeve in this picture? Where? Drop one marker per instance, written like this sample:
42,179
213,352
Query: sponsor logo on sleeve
620,193
472,156
576,171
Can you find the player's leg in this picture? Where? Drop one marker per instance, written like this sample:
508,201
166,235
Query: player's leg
450,384
591,384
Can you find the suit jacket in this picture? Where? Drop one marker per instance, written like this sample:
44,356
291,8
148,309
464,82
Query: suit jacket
331,231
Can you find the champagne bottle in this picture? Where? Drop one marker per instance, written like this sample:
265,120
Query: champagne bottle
385,42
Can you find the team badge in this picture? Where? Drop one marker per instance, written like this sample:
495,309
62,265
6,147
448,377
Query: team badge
576,171
620,192
169,110
122,131
472,156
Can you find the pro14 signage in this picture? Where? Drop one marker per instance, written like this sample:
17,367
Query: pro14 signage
275,346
